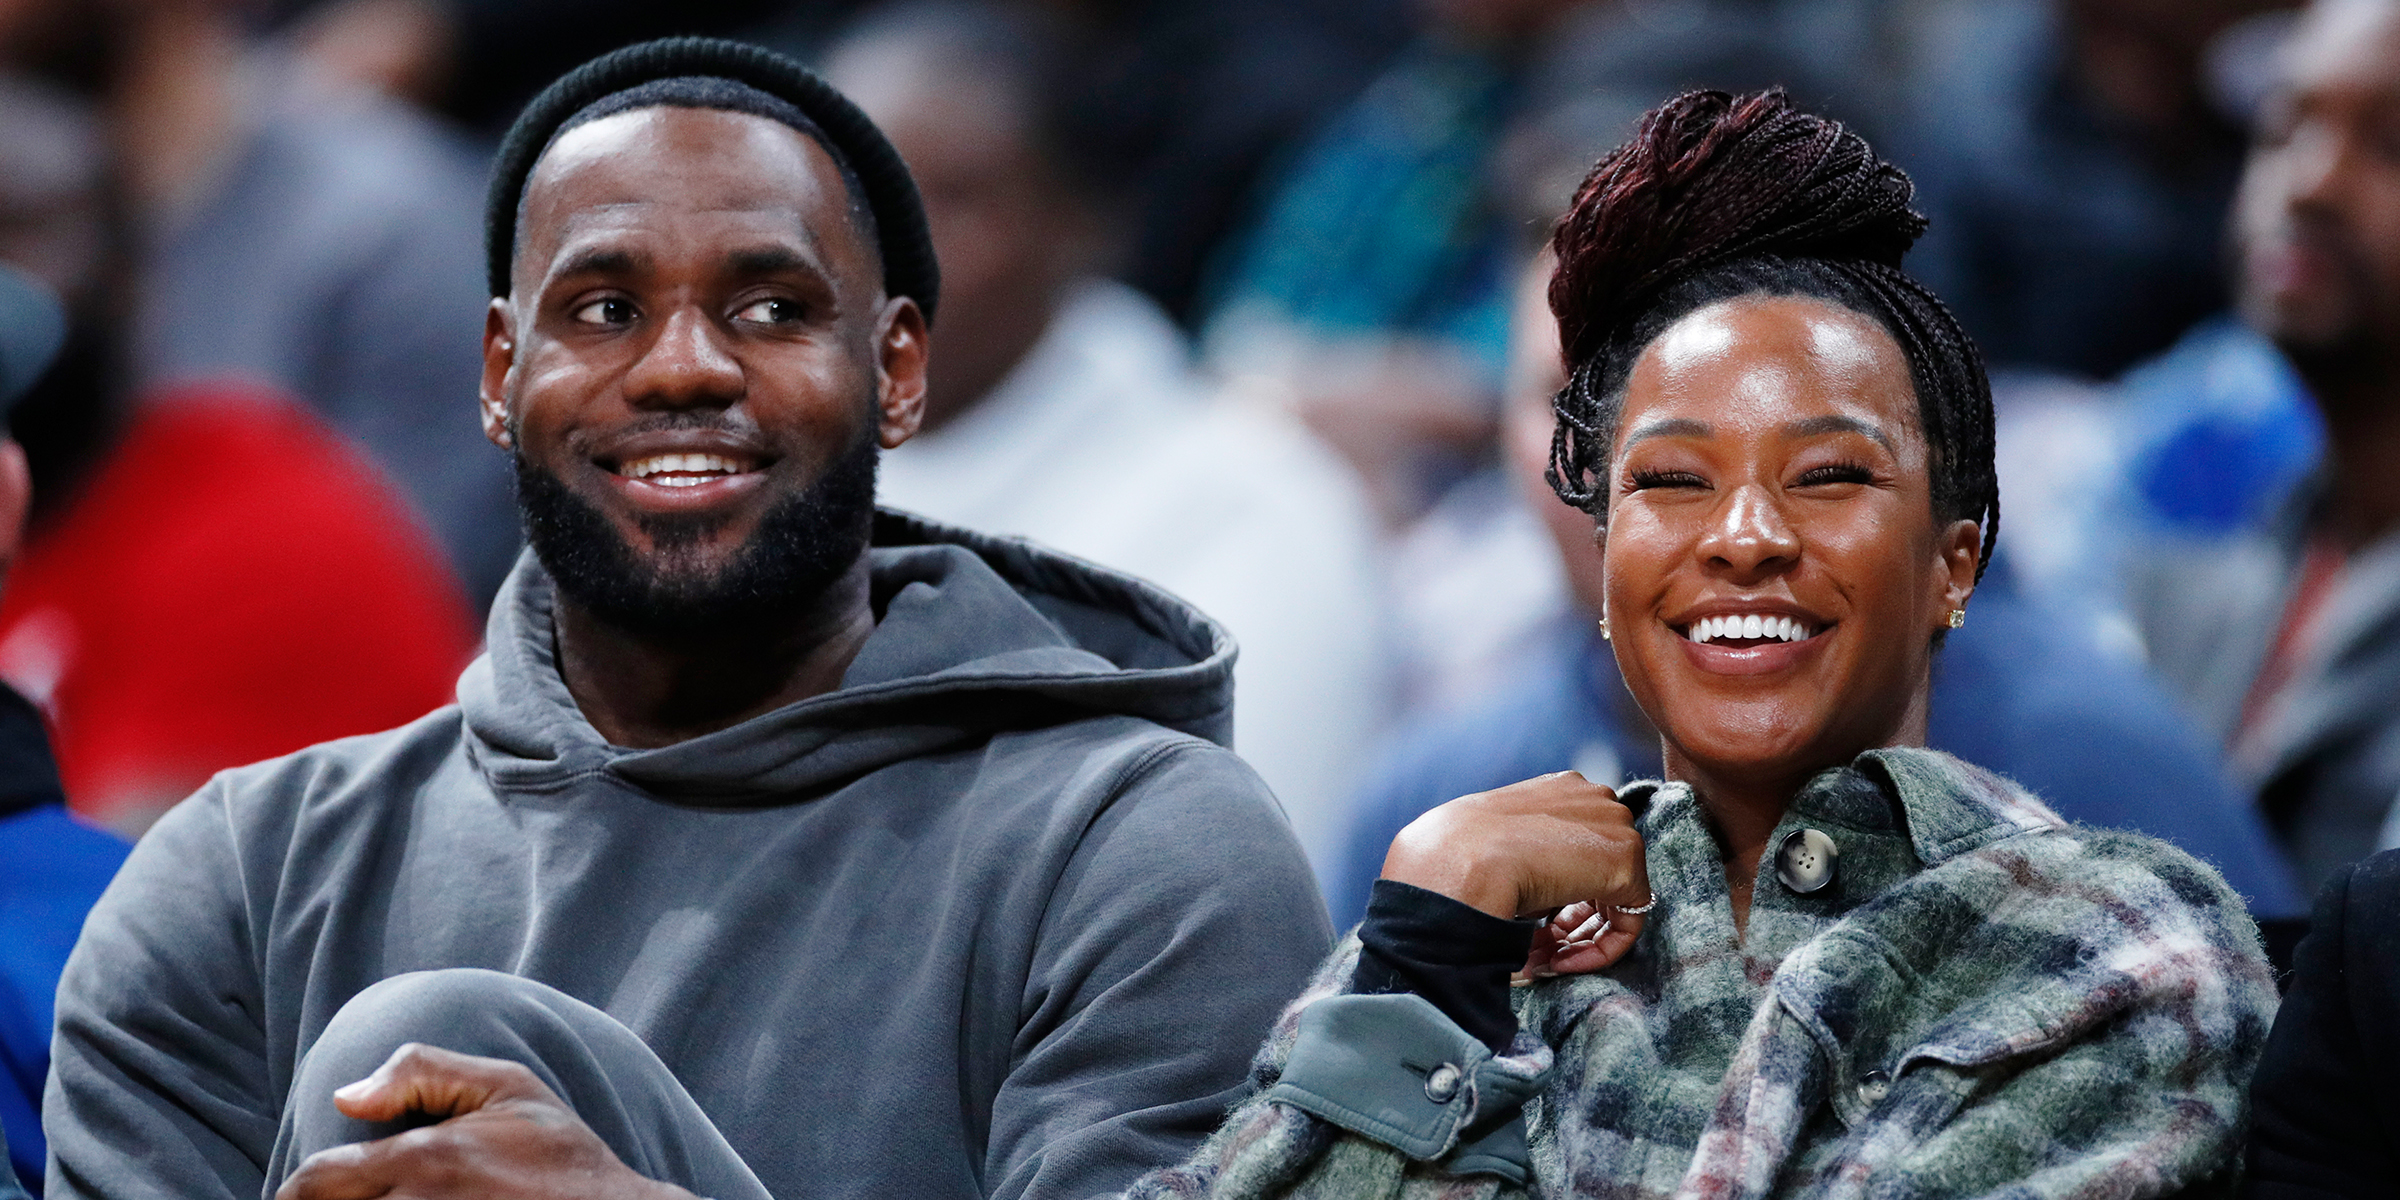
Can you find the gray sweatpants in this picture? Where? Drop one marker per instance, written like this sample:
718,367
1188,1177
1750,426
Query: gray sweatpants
599,1067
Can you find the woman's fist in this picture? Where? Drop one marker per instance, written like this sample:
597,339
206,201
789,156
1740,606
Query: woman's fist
1559,842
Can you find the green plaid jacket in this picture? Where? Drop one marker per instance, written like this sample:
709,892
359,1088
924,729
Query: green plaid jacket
1986,1001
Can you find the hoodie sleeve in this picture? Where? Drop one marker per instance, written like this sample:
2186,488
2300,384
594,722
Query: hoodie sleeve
1184,921
159,1082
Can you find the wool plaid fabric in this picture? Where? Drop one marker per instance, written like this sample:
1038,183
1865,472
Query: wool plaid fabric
1984,1001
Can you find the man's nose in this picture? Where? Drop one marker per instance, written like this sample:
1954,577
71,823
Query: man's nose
1748,537
2317,164
686,365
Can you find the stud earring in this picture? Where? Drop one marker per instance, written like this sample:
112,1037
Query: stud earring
1958,618
1604,629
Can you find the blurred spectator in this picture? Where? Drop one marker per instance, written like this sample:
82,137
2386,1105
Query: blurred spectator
1062,406
2322,1122
1370,294
1203,98
2018,689
2260,523
323,242
213,575
1474,575
479,61
1198,95
2077,166
52,866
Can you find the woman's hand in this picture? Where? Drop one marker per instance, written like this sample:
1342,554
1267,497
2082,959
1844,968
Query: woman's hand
1559,844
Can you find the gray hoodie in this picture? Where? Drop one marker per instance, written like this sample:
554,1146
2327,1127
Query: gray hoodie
1000,917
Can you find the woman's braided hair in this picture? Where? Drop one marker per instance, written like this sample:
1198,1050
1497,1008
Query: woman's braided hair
1716,197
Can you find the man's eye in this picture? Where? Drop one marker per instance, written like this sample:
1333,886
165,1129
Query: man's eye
769,312
615,310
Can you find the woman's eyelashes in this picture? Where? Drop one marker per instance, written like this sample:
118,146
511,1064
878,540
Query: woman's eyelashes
1643,479
1832,473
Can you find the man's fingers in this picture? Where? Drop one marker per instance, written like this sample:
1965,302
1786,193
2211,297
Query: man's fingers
439,1083
342,1173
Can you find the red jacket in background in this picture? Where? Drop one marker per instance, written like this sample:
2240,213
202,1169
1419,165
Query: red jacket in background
235,582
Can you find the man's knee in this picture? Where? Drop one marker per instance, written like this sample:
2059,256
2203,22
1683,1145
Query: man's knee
471,1011
466,1009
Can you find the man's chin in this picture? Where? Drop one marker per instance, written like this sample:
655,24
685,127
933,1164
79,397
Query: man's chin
701,575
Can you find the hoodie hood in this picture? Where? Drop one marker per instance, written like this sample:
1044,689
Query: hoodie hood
974,635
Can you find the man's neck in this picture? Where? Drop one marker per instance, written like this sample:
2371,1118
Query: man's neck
2362,426
645,693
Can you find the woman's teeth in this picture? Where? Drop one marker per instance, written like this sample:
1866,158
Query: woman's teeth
681,470
1750,628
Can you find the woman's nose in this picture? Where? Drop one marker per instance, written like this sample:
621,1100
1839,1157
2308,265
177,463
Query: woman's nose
1748,536
686,366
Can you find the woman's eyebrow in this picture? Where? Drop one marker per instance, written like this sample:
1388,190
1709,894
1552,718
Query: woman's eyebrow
1837,423
1668,427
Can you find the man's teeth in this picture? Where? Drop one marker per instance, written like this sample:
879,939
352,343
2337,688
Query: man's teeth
680,470
1782,629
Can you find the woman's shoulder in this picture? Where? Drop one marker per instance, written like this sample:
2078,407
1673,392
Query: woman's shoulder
2073,920
2019,898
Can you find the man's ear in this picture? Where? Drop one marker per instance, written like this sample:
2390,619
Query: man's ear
16,500
900,356
1962,552
499,360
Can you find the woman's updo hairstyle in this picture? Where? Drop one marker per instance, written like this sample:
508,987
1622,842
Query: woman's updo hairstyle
1717,197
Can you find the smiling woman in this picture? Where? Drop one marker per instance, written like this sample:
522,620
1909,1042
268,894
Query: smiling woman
1817,959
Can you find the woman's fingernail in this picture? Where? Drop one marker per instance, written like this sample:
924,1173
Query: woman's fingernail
353,1091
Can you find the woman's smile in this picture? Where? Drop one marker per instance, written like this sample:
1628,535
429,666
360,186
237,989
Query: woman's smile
1750,639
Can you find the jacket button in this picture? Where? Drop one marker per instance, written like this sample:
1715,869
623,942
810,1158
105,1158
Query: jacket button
1873,1087
1805,861
1443,1083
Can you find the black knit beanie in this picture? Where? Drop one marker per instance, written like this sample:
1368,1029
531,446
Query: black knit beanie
891,195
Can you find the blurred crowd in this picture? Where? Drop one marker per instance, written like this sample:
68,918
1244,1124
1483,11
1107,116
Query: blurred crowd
1244,297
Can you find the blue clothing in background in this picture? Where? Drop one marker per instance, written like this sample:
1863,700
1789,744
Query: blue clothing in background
2017,691
52,870
2221,432
10,1189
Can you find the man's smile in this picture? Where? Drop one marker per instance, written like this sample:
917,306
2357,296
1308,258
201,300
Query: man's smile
684,470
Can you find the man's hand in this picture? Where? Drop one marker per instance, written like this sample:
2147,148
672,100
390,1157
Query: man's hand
504,1136
1557,845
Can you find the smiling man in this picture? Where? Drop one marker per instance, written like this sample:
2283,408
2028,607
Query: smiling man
775,846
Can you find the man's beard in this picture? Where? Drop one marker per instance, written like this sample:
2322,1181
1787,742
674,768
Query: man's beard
803,544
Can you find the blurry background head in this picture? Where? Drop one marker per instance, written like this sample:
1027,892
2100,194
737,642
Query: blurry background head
989,106
2146,62
1496,20
60,221
33,327
2318,220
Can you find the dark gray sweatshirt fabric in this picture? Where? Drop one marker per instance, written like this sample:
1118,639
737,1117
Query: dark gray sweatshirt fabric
1003,916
